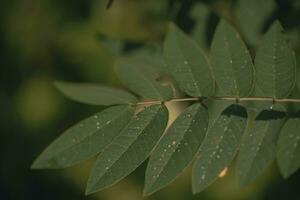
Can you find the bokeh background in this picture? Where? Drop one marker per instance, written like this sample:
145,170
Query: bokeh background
78,40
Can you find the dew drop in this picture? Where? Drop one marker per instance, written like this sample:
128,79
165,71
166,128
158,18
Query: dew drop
96,116
174,142
108,122
169,146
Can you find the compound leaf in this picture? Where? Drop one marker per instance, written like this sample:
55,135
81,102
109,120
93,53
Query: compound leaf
132,146
187,64
231,62
95,94
85,139
219,147
177,148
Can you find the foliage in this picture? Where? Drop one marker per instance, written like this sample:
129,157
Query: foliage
238,109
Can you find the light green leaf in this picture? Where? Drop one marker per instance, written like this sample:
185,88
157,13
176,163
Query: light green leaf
275,64
129,149
85,139
176,148
252,16
219,147
142,79
258,148
288,149
231,62
187,64
95,94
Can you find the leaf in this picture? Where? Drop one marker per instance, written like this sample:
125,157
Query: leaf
177,148
187,64
95,94
258,147
252,16
231,62
288,147
85,139
141,78
275,64
129,149
201,13
219,147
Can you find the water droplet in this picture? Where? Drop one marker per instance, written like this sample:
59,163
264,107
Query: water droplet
203,176
165,150
174,142
96,116
231,61
186,62
189,115
218,156
108,122
178,150
106,168
169,146
225,129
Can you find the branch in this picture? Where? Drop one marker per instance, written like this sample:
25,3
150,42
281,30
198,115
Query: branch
224,98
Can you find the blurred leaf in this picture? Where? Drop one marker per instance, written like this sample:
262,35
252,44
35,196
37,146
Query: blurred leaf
176,148
219,147
142,78
113,45
200,13
258,147
129,149
275,64
288,149
95,94
187,64
85,139
252,16
231,62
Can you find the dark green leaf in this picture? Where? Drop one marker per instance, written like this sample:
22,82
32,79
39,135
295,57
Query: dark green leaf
200,13
219,147
275,64
95,94
257,149
85,139
142,79
252,16
231,62
129,149
177,148
187,64
288,150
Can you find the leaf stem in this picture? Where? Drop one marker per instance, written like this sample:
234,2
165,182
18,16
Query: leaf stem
226,98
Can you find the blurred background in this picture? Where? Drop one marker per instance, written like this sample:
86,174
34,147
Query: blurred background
78,40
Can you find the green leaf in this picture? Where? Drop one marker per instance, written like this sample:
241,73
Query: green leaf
231,62
258,148
252,16
275,64
288,149
129,149
95,94
187,64
219,147
142,79
176,148
85,139
201,13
